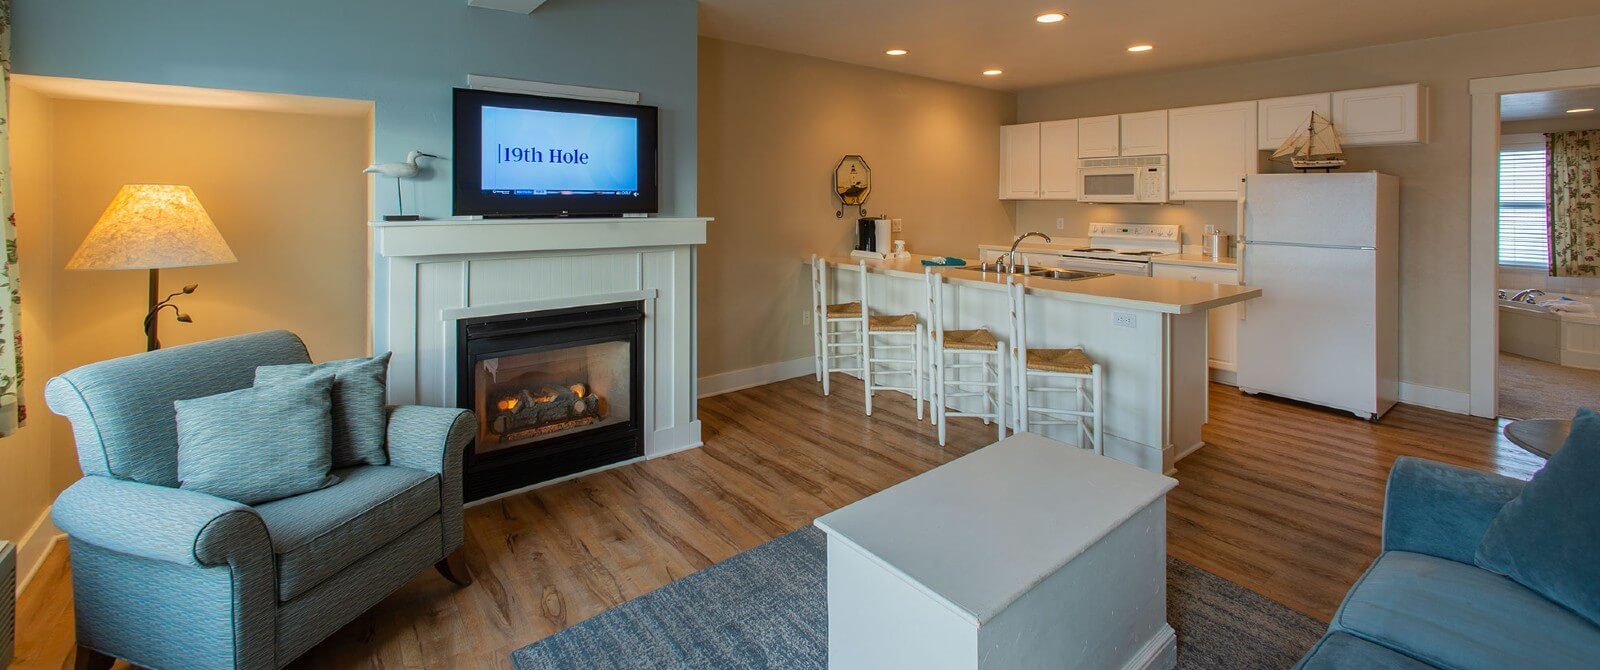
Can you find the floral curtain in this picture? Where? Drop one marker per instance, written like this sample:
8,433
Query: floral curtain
1573,164
12,410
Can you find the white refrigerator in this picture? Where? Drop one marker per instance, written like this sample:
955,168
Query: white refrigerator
1324,250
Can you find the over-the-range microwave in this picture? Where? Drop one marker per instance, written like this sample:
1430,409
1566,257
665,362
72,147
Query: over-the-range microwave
1125,179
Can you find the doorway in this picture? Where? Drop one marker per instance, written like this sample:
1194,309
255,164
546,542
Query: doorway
1535,301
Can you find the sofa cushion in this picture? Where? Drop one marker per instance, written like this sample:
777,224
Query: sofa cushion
318,534
255,445
1548,537
1342,651
1455,615
360,420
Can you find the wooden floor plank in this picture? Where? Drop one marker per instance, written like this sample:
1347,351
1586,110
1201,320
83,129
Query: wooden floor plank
1285,499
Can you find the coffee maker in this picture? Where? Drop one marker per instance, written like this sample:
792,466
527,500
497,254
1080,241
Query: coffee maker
875,235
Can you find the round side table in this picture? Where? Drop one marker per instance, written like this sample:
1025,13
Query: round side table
1541,437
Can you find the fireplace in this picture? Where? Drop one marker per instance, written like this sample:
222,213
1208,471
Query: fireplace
556,392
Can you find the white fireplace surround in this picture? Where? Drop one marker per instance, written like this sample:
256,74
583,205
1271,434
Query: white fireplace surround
427,275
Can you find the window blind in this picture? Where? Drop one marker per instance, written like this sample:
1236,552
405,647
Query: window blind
1524,231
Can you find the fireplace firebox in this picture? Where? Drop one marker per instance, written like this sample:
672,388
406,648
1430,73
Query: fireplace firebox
556,392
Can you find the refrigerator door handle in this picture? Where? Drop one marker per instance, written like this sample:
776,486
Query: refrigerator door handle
1239,245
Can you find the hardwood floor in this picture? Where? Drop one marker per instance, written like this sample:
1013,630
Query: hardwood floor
1286,500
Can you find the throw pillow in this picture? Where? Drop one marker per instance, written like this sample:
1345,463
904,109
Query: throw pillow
1548,538
360,422
257,444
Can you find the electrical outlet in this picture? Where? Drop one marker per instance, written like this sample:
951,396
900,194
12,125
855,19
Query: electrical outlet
1061,224
1124,320
805,316
897,225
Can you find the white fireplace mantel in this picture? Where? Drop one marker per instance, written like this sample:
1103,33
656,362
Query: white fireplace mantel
429,274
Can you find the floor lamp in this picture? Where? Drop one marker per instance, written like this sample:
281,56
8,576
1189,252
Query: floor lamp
150,227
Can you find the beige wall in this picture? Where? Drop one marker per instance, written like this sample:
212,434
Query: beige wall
1556,125
1434,177
286,191
772,127
28,456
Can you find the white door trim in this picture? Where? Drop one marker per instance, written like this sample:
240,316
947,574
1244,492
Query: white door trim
1483,327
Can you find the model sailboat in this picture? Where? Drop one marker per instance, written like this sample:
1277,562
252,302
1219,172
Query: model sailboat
1314,147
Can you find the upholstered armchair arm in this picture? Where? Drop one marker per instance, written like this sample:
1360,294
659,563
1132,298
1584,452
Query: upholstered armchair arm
159,522
433,439
1442,510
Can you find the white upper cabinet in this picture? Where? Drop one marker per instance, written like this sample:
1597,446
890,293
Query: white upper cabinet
1211,149
1145,133
1281,118
1058,160
1384,115
1019,161
1099,137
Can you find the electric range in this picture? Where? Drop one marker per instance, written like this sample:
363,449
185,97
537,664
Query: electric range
1123,248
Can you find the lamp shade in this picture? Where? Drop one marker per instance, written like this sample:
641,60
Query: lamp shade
152,226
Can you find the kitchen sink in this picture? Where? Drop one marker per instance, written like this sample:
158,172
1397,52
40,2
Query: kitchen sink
985,269
1067,275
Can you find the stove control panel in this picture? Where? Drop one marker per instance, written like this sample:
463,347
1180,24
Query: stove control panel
1135,231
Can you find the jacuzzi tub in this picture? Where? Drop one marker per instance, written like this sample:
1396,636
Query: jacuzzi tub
1557,337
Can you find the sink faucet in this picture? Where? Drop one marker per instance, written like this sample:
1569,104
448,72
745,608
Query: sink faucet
1010,257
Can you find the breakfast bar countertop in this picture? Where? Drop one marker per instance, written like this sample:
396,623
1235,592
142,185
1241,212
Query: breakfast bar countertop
1172,296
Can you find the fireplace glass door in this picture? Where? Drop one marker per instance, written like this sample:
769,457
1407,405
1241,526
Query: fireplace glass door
525,398
556,392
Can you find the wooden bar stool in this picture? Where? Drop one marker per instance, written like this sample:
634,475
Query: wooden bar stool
892,327
950,348
1074,364
849,333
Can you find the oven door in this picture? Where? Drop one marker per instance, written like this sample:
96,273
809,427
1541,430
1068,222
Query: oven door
1129,267
1116,184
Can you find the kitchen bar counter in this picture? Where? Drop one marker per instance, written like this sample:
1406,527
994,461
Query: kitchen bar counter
1171,296
1151,336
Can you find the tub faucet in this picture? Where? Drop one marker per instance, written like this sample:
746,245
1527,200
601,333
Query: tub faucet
1011,256
1527,295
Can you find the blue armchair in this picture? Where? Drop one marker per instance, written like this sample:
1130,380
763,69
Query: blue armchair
1423,604
169,578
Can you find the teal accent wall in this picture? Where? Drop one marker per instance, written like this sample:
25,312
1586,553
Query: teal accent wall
403,55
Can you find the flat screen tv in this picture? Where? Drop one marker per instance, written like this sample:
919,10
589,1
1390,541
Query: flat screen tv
533,156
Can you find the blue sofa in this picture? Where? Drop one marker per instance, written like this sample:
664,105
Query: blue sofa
1424,604
170,578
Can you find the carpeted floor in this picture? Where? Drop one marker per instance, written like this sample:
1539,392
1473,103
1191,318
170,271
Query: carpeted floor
1533,389
767,608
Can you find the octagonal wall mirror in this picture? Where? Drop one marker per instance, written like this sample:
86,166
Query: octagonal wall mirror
852,180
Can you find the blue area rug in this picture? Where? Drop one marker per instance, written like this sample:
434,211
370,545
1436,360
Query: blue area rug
768,608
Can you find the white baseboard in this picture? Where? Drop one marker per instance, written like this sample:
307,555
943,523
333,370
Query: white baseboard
1449,400
1160,653
737,380
1221,376
34,547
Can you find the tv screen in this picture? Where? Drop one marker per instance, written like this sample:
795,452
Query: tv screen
527,155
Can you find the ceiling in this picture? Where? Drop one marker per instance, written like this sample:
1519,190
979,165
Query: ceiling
955,40
1549,104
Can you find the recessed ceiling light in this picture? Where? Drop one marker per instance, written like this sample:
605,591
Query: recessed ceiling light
1051,17
993,72
1580,110
1140,48
896,52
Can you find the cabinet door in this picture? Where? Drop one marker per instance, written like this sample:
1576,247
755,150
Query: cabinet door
1223,322
1281,118
1144,134
1058,160
1099,137
1385,115
1212,149
1019,161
